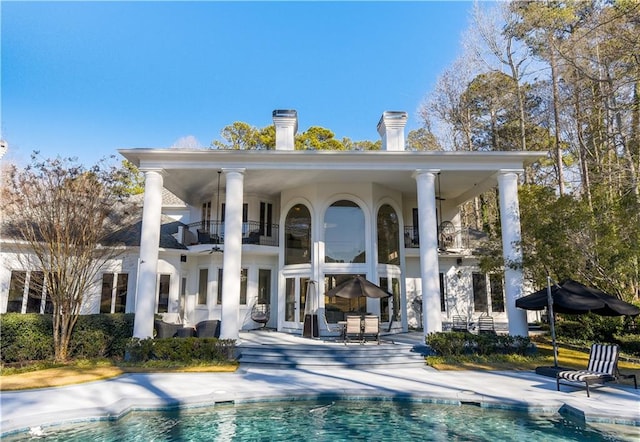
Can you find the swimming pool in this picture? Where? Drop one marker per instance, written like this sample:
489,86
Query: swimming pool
333,420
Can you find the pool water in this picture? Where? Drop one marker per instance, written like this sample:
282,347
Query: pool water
332,421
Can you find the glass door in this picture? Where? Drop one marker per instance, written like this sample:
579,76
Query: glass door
294,299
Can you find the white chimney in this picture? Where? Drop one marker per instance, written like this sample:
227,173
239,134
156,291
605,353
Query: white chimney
391,129
286,123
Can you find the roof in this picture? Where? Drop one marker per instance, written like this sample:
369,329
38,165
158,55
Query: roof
190,173
131,234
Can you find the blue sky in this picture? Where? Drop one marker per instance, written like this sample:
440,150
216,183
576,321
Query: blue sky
86,78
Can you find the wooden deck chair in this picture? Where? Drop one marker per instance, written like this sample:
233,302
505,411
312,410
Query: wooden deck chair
353,328
602,367
371,328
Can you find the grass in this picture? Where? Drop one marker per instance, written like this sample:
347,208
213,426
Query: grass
44,375
49,374
566,358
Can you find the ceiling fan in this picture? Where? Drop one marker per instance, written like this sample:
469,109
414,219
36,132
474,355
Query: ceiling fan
216,248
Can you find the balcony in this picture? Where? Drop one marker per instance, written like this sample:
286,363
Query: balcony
253,232
460,239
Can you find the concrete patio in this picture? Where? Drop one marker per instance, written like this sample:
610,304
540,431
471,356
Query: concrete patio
521,390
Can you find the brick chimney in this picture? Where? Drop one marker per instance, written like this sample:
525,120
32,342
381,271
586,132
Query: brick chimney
286,123
391,129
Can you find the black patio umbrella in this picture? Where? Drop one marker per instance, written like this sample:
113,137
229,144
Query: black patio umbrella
571,297
356,287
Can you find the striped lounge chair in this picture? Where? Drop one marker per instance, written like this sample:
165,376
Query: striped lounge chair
602,367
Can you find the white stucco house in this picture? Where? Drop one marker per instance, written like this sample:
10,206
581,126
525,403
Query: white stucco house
224,230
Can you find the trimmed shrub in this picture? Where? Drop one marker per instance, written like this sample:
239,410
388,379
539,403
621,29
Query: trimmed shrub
629,343
459,343
588,328
181,349
27,337
102,336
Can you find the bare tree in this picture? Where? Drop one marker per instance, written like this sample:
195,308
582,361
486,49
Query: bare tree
62,214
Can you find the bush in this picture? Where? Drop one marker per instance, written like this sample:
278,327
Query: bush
458,343
26,337
181,349
629,343
588,328
29,337
101,336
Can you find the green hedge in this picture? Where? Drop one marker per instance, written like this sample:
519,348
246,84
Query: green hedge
26,337
459,343
181,349
29,337
102,336
629,343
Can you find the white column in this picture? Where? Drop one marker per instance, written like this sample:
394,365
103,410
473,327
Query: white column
149,244
428,231
231,261
513,279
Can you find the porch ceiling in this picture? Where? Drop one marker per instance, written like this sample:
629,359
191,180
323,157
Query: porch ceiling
192,174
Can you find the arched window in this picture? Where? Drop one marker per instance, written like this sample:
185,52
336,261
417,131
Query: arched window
297,236
388,236
344,233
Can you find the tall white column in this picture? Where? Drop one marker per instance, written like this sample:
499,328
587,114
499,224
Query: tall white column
149,244
428,231
511,251
231,261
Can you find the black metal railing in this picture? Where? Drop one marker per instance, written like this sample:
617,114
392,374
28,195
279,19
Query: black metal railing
458,240
253,232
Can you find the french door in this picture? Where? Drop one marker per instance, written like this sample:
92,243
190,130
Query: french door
294,300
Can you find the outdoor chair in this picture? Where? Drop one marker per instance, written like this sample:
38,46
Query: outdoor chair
164,329
459,323
208,329
371,328
260,314
602,367
204,237
486,325
353,328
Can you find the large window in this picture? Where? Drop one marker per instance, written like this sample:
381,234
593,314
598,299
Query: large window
297,236
35,292
344,233
388,236
243,286
264,286
219,297
337,308
385,305
266,218
443,300
113,298
395,290
16,291
480,304
28,289
203,284
163,293
497,292
290,300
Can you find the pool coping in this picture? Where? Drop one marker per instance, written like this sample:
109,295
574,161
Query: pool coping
115,398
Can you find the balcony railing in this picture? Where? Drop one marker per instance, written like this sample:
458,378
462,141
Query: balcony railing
461,239
253,232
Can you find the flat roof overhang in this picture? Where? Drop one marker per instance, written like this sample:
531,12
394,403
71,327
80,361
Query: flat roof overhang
191,173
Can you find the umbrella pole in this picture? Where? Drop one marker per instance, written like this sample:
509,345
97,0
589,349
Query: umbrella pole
552,322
